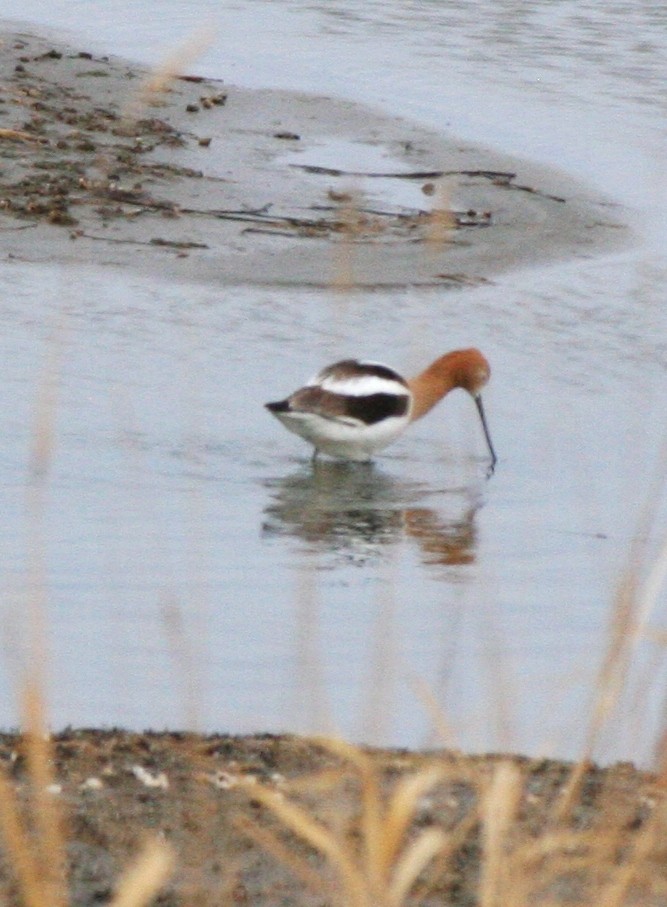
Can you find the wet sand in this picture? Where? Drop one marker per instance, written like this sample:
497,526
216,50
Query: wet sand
103,161
203,181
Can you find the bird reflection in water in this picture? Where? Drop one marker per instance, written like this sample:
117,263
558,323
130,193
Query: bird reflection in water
360,513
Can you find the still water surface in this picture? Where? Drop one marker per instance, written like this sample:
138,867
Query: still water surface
197,570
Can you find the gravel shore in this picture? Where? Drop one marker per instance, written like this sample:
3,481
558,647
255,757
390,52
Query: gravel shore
566,838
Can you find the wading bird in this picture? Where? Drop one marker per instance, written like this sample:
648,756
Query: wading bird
353,408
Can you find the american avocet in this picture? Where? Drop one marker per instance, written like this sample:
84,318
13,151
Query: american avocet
354,408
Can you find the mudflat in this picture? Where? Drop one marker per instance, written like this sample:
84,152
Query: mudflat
104,161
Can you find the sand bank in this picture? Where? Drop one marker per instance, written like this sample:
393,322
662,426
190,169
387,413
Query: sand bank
191,178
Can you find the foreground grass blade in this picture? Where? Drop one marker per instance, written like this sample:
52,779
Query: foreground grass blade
142,881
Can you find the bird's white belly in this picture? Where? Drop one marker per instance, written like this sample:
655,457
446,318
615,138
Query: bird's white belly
351,440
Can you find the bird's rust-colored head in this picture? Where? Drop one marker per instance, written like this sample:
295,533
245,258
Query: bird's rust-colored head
468,369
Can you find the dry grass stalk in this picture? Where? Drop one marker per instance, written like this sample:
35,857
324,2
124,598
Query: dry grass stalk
595,858
572,791
45,805
15,135
16,842
320,838
185,664
452,844
281,853
36,845
351,218
498,812
413,861
142,880
382,868
44,425
442,221
35,848
634,603
157,81
442,732
616,892
632,607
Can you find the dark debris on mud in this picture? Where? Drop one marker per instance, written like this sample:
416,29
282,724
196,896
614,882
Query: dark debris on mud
68,152
75,160
104,161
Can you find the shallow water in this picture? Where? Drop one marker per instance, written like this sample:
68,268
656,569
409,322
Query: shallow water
197,570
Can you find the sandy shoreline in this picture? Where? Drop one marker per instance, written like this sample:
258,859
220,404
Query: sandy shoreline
209,796
209,182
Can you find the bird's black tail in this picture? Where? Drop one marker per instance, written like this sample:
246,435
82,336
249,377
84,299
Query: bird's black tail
280,406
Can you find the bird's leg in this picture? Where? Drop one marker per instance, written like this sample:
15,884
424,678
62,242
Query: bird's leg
313,459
